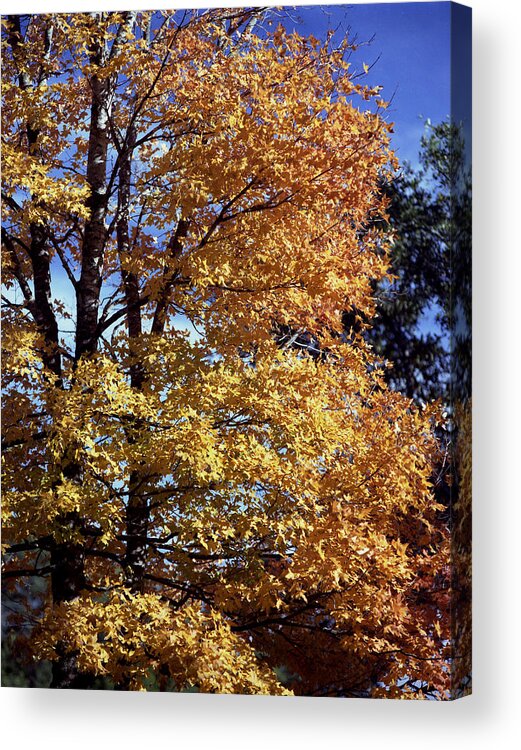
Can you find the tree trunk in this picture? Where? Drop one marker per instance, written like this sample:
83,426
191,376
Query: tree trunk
137,511
95,233
67,562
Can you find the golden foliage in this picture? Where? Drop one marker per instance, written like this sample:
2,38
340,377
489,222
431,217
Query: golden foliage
285,491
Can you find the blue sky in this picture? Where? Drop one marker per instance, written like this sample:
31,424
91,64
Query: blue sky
411,52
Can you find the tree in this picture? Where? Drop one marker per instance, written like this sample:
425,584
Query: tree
424,316
430,213
203,500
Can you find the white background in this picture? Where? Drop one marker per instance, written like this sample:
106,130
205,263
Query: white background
490,718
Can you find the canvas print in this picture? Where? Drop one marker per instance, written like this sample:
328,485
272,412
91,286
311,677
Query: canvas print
237,350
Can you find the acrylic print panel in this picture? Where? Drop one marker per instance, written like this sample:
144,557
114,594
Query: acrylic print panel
236,428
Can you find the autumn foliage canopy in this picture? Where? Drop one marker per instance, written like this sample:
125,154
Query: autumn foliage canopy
207,483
